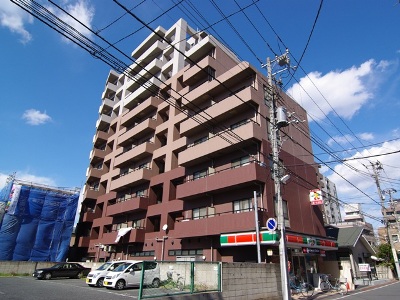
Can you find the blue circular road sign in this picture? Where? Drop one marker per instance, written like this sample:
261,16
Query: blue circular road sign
272,224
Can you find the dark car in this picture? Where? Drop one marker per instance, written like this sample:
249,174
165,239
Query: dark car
71,270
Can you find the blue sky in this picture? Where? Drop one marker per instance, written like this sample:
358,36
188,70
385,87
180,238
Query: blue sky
348,80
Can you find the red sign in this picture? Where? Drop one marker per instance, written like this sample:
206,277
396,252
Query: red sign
316,197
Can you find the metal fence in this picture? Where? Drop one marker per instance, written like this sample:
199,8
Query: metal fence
181,277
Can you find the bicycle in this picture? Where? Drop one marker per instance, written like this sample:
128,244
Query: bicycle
179,283
306,289
339,286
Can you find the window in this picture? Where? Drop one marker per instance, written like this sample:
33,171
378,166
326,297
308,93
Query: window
144,166
242,161
242,205
199,174
185,252
285,209
395,238
141,193
211,74
137,223
200,140
199,213
238,124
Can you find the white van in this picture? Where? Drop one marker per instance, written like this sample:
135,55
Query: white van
129,274
96,277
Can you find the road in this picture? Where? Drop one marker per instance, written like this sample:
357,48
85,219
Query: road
28,288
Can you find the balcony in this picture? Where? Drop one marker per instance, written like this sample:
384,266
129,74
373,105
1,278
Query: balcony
103,221
214,88
103,121
154,50
217,224
136,235
234,104
216,146
135,154
145,91
94,173
89,216
133,178
141,129
91,193
199,71
200,49
100,138
106,106
143,108
130,205
97,153
225,180
161,208
107,197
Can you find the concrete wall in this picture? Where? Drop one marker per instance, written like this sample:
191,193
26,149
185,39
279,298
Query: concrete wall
244,281
27,267
251,281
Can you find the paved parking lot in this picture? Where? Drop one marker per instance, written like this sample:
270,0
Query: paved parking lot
29,288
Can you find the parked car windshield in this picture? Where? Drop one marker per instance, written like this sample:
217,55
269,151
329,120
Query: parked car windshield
104,266
57,266
122,267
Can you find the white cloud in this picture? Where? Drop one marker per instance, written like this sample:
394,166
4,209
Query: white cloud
35,117
341,140
347,139
346,91
15,19
366,136
81,10
26,177
361,176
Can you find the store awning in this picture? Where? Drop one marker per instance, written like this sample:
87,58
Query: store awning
271,238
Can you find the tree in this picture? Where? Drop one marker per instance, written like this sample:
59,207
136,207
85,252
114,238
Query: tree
385,252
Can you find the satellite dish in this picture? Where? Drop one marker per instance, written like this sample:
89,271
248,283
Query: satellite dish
165,227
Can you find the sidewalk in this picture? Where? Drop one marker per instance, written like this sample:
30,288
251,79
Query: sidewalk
318,294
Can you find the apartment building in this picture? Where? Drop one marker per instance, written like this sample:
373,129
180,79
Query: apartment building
331,208
391,232
181,148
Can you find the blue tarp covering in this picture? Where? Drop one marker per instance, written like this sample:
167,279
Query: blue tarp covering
37,225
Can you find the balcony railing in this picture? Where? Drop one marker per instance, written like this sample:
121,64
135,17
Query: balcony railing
217,223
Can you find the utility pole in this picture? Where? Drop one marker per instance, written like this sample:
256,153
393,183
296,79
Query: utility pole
282,61
376,168
392,206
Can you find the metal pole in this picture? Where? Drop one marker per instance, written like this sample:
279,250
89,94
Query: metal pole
162,249
275,158
377,167
257,228
394,252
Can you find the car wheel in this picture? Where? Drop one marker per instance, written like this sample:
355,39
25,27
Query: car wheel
79,275
120,285
155,283
100,282
47,276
